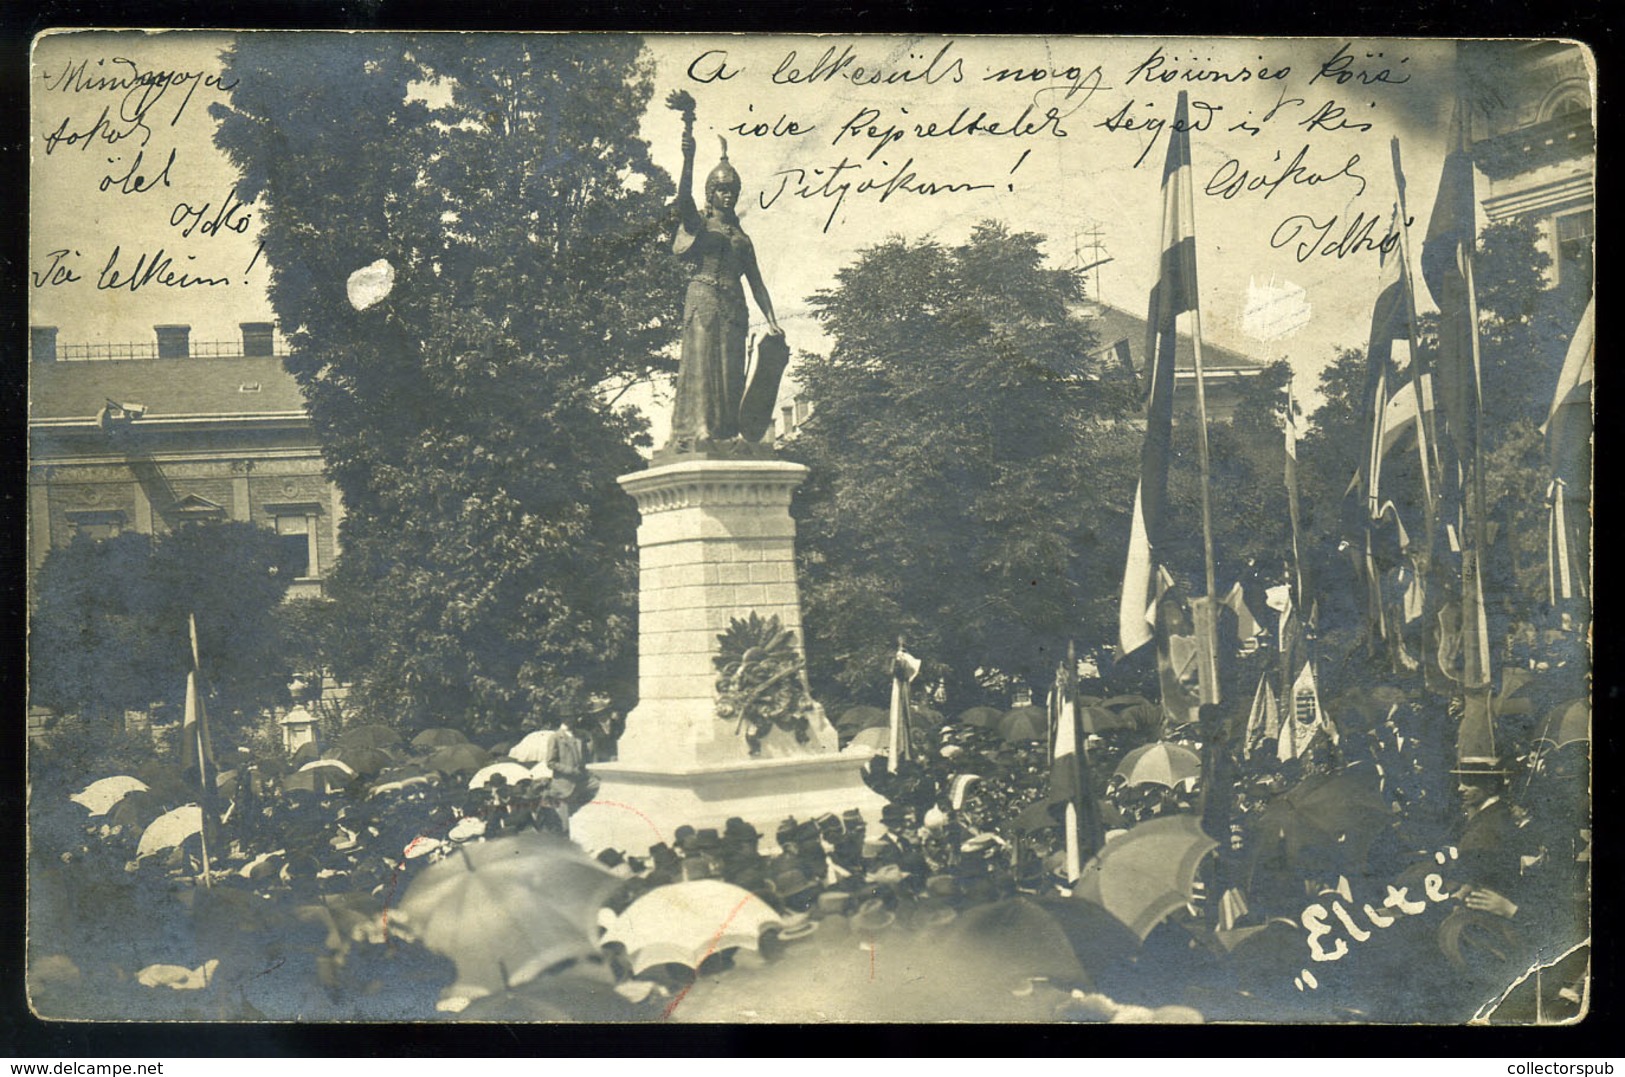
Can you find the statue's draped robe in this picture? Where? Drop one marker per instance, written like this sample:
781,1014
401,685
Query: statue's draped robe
711,377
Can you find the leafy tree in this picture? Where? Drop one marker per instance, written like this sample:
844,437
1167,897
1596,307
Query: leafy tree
488,566
109,631
1246,486
967,472
1524,329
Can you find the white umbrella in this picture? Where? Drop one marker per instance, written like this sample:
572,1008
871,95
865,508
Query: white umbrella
533,748
688,922
170,829
100,796
336,764
514,773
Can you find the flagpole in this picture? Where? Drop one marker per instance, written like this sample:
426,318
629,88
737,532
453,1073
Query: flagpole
204,809
1292,484
1426,443
200,726
1206,617
1067,713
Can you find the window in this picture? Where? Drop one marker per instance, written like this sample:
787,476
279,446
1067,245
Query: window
97,526
1574,233
297,553
295,525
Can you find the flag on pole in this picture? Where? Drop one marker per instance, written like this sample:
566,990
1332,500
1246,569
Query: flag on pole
1174,294
1447,266
1292,487
1070,799
1447,255
905,667
1304,719
1390,321
1568,448
197,750
1264,720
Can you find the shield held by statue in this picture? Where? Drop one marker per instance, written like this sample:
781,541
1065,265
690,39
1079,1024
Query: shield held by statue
756,409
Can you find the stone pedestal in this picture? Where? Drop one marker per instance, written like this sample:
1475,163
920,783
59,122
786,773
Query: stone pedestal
716,542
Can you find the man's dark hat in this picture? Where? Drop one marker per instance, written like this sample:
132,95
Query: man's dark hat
873,915
853,819
611,857
832,902
663,856
806,833
684,836
707,839
785,830
698,867
829,825
1481,766
736,829
792,882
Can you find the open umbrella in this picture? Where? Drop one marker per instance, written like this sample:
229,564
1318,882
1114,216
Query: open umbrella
861,717
1024,724
533,747
135,810
1015,939
338,770
458,759
398,778
430,739
687,922
508,909
876,738
364,761
1568,724
1333,819
1148,873
980,717
922,717
513,773
573,995
1100,940
369,736
99,796
169,830
1098,719
1159,764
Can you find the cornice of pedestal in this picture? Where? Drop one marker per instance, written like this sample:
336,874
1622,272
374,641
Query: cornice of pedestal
701,483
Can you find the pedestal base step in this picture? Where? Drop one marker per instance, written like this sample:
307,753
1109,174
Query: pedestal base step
638,806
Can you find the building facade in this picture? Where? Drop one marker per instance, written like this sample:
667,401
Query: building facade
1536,146
148,437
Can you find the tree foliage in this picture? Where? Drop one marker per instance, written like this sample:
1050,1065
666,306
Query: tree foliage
488,564
109,630
1524,329
967,475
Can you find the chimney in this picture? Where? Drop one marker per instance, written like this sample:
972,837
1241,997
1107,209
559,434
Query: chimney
257,338
174,341
42,343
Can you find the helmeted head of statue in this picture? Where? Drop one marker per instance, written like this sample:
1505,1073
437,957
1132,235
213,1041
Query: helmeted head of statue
722,179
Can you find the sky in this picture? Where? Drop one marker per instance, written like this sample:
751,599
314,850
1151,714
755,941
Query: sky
841,142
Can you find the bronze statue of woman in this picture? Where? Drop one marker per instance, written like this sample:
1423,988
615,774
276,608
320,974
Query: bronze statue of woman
717,252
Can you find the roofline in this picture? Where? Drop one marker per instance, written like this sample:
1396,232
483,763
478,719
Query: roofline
199,419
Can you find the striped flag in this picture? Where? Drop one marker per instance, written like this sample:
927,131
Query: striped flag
1390,321
1264,720
905,667
1174,294
1568,449
1070,799
1447,267
197,750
